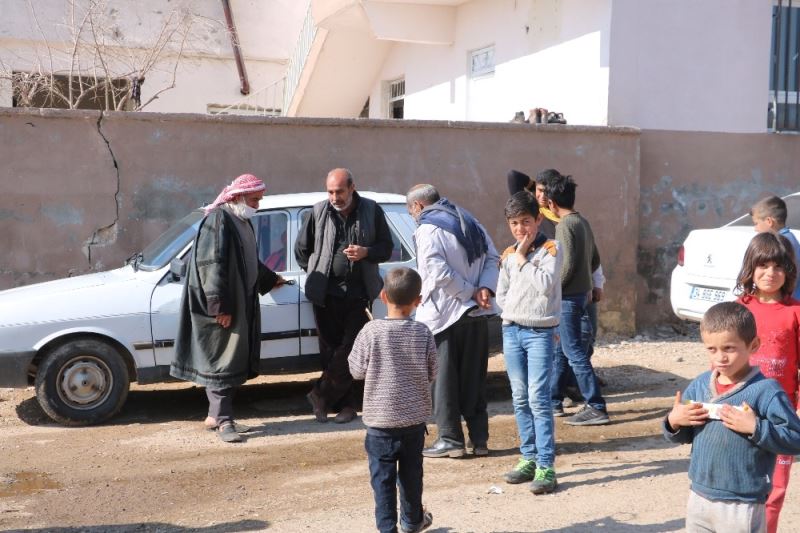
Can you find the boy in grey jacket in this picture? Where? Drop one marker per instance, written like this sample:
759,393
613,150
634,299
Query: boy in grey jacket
529,292
737,421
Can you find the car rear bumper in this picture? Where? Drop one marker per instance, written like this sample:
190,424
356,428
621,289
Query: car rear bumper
681,288
14,368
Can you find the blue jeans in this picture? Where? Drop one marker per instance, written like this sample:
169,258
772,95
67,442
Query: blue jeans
588,334
386,450
575,356
528,354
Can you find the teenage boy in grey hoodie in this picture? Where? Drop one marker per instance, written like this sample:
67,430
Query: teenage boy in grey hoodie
529,292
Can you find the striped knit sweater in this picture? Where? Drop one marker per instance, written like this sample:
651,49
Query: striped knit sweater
726,465
396,358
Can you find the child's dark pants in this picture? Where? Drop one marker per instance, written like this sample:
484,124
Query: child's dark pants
395,459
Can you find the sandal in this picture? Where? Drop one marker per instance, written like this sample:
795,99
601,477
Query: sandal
227,433
211,425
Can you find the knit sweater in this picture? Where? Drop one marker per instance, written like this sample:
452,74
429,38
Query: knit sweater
726,465
580,254
396,358
530,294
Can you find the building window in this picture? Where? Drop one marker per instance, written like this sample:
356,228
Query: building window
43,90
481,62
784,77
395,98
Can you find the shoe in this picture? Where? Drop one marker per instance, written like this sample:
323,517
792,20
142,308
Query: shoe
227,433
588,416
480,450
559,411
427,520
567,402
441,448
346,415
521,473
317,406
211,425
544,481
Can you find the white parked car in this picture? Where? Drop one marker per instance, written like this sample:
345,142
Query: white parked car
710,260
81,341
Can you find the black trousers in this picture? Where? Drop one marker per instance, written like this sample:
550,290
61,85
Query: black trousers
460,386
220,404
338,324
395,460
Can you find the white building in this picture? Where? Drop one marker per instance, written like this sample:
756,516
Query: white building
697,65
207,77
702,65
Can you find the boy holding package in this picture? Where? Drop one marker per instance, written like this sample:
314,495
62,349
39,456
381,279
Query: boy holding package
738,421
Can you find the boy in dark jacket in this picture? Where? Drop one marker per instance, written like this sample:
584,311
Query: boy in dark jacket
738,421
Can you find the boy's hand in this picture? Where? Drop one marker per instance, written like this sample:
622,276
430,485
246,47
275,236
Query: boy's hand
522,249
743,421
686,414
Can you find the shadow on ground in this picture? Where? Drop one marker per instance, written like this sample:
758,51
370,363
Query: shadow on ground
155,527
282,399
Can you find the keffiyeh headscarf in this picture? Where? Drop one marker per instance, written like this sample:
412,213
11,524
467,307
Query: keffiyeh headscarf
244,184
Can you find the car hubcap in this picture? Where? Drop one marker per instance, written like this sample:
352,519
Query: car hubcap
84,382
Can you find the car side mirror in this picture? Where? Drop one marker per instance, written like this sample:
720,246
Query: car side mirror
177,269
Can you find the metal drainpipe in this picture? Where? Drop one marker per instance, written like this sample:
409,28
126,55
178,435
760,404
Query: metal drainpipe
237,50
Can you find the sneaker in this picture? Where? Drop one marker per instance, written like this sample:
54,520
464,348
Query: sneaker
544,481
559,411
427,520
524,471
588,416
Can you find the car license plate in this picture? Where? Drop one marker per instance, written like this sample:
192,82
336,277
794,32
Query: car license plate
708,294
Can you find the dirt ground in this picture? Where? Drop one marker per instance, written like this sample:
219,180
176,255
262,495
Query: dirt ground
155,469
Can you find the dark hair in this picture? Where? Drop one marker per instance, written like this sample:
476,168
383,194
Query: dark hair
765,248
402,285
522,203
772,207
547,175
730,316
560,189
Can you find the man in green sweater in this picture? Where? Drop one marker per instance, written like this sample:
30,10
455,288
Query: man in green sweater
580,259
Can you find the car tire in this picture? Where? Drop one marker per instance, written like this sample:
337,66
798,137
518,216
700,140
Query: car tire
82,382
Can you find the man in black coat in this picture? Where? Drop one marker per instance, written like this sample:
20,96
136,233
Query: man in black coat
340,246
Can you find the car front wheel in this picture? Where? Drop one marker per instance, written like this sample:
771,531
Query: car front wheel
82,382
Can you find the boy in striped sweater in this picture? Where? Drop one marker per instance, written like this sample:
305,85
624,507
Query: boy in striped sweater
737,421
396,358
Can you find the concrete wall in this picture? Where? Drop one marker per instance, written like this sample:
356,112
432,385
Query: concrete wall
548,53
267,29
700,180
696,65
65,208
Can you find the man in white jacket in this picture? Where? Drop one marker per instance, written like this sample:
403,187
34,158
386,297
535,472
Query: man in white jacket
459,266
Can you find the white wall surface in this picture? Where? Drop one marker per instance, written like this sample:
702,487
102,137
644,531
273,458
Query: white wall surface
697,65
548,53
268,31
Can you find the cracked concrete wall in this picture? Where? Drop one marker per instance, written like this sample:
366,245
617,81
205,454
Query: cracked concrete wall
695,180
66,209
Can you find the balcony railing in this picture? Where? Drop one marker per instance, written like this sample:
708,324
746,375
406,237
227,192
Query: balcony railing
298,59
266,102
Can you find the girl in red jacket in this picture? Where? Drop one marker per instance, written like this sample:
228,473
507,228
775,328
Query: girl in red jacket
766,283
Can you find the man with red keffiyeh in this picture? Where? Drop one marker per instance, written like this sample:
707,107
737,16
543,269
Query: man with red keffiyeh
219,333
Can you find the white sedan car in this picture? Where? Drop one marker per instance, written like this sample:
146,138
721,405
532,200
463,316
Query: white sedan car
81,341
710,260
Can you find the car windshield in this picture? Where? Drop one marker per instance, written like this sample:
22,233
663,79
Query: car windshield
163,250
792,216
